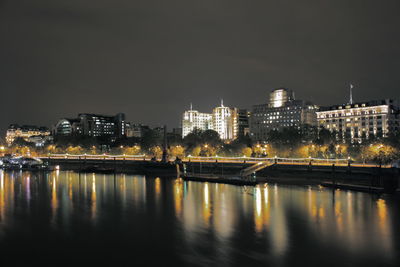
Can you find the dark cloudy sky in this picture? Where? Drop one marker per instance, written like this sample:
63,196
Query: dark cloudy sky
150,59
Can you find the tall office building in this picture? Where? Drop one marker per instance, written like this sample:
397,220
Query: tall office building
225,122
282,110
355,122
193,119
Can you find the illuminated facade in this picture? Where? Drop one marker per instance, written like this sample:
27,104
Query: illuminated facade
29,133
280,97
193,119
359,121
281,111
92,125
68,127
225,122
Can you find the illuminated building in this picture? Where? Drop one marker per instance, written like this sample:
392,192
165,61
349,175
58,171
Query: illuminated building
93,125
68,127
193,119
225,122
359,121
281,111
30,133
280,97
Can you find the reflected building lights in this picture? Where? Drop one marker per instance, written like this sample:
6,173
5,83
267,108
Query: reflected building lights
54,200
279,234
94,198
262,209
258,201
157,183
385,226
358,222
178,198
28,189
206,206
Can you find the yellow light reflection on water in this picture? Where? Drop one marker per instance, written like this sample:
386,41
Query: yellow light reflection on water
262,208
178,197
357,222
384,224
206,205
94,198
54,200
157,183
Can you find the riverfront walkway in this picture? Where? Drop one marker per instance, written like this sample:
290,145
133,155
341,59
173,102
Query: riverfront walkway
217,159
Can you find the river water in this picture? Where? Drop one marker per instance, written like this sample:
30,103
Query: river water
66,218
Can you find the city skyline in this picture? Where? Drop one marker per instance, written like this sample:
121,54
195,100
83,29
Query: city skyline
190,106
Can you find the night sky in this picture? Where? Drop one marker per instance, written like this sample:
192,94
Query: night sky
150,59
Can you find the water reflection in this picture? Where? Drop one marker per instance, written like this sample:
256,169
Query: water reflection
208,222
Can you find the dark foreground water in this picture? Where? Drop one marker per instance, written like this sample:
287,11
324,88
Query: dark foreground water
63,218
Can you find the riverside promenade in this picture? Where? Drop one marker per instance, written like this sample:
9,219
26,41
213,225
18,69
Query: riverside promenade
327,172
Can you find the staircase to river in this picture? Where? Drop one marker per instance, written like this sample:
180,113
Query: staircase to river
255,168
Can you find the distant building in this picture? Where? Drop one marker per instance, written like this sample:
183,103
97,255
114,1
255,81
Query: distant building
280,97
94,125
67,127
225,122
30,133
243,122
281,111
193,119
359,121
136,130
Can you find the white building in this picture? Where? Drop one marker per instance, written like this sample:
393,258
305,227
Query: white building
225,122
359,121
193,119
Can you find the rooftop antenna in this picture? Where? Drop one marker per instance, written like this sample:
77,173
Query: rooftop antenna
351,94
191,106
222,102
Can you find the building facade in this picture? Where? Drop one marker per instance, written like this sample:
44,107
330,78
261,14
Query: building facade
67,127
93,125
243,122
225,122
136,130
193,119
30,133
281,111
359,121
